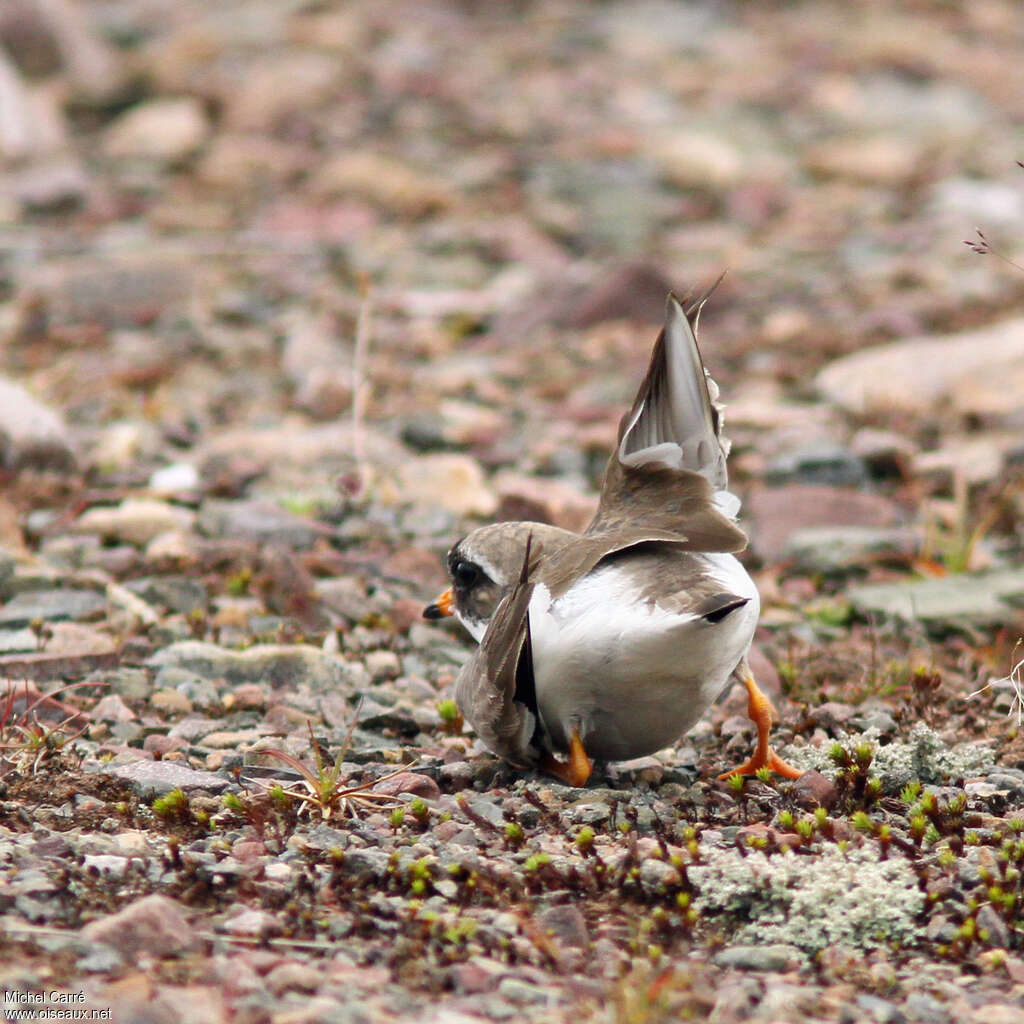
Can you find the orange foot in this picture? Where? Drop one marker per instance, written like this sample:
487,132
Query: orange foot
577,769
761,712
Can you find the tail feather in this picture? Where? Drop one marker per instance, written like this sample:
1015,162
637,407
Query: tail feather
676,419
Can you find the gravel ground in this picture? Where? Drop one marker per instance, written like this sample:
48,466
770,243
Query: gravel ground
292,295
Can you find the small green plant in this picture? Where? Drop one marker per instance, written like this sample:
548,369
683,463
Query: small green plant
514,835
321,787
451,718
172,806
239,583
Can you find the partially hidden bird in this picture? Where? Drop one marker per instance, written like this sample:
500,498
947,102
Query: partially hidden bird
610,644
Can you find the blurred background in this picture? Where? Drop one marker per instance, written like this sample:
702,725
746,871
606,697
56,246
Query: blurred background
259,246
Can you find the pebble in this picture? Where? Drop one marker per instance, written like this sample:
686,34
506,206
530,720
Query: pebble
834,549
452,482
174,479
32,435
983,599
917,375
135,521
258,521
166,131
382,180
52,605
154,925
280,666
152,779
773,957
773,515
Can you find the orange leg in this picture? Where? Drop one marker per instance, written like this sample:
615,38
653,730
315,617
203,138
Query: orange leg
577,769
761,712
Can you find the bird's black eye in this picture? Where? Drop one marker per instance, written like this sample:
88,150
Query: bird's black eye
465,574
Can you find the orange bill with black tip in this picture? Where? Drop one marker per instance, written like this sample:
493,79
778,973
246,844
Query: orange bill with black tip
442,607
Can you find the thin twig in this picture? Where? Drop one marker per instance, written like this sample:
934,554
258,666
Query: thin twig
361,387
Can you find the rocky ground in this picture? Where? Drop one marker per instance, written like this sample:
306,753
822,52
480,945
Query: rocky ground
294,294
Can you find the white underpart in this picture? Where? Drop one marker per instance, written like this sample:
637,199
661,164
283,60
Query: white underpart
629,674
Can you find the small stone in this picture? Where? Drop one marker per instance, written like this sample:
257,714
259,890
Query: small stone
393,185
382,665
813,789
774,514
992,922
887,160
920,374
566,924
154,925
276,86
257,923
515,990
170,702
157,778
701,160
175,478
135,521
415,783
281,666
983,599
31,434
293,976
879,1010
112,709
175,593
117,291
921,1008
166,131
657,877
543,500
452,482
821,463
832,549
248,696
52,605
776,957
258,521
105,864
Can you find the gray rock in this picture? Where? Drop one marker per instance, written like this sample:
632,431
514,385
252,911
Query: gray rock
834,548
922,1008
981,599
178,593
157,778
657,877
258,521
566,924
995,926
518,991
824,463
279,665
880,1010
52,606
14,641
31,434
776,957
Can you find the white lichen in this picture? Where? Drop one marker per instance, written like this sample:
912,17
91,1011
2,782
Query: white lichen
925,756
811,902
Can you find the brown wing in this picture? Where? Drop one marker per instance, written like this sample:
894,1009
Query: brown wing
494,689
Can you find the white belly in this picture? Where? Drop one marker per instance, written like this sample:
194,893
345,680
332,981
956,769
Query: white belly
631,676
